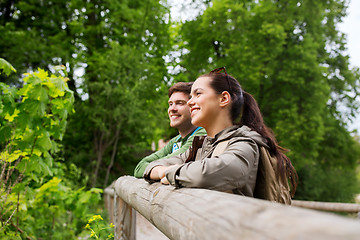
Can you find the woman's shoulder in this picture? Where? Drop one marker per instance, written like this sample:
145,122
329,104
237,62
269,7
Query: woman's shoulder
243,133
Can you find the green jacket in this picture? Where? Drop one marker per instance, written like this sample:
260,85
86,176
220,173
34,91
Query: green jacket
167,151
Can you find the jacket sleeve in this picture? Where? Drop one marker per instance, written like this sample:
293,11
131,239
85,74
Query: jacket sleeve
175,160
231,169
166,152
141,166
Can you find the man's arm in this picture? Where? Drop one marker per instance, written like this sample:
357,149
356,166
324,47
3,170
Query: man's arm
166,152
141,166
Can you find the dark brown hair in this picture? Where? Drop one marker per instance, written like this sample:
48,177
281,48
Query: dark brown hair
245,111
184,87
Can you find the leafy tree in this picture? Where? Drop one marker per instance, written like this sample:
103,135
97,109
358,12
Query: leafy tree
291,57
36,34
119,47
124,78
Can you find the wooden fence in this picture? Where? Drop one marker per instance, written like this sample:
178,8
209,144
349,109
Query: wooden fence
189,213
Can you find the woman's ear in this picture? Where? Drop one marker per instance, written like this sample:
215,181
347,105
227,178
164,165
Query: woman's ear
225,99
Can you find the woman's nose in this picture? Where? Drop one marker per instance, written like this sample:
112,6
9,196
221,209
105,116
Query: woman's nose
190,102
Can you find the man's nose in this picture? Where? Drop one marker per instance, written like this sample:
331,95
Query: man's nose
172,108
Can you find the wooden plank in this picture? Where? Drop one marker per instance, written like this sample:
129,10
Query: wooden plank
125,220
204,214
109,202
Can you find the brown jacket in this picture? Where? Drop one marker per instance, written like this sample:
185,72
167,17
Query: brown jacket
235,169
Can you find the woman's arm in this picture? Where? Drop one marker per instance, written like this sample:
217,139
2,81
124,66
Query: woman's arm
164,152
231,169
156,169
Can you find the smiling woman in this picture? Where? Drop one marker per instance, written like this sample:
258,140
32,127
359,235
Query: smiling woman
209,109
232,120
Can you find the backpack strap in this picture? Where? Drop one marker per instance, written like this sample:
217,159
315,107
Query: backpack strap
220,148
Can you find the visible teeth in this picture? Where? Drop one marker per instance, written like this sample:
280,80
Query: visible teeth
195,110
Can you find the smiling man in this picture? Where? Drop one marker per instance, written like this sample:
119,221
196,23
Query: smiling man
180,118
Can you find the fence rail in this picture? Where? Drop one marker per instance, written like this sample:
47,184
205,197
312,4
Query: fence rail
204,214
329,206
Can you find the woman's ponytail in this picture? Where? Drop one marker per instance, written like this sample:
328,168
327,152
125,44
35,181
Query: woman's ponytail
252,117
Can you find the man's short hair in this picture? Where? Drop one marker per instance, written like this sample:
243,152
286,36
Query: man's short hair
184,87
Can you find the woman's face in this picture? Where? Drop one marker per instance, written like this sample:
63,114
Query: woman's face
204,103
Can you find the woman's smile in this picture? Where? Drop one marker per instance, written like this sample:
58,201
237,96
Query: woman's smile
194,110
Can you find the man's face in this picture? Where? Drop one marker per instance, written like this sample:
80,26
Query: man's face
179,111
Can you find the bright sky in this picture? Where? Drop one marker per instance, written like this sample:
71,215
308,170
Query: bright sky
351,26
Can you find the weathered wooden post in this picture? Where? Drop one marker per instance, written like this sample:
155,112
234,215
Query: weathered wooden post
125,220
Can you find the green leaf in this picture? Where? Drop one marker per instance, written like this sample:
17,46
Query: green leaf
84,197
52,184
6,67
44,142
57,87
96,190
5,133
11,118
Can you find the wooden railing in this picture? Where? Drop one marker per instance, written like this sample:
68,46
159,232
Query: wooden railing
189,213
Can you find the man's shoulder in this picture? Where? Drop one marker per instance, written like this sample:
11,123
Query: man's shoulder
197,133
200,132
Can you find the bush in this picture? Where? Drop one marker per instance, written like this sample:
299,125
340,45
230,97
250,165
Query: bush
38,200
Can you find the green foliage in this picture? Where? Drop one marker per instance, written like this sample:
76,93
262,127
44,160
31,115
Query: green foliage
6,67
33,117
55,211
123,83
316,184
34,203
291,57
119,45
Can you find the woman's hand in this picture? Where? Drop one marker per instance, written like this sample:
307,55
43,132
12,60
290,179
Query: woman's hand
158,172
164,181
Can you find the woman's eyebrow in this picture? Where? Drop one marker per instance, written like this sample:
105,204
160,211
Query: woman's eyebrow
196,90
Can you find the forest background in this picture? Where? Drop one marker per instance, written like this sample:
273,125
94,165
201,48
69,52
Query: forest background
107,66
